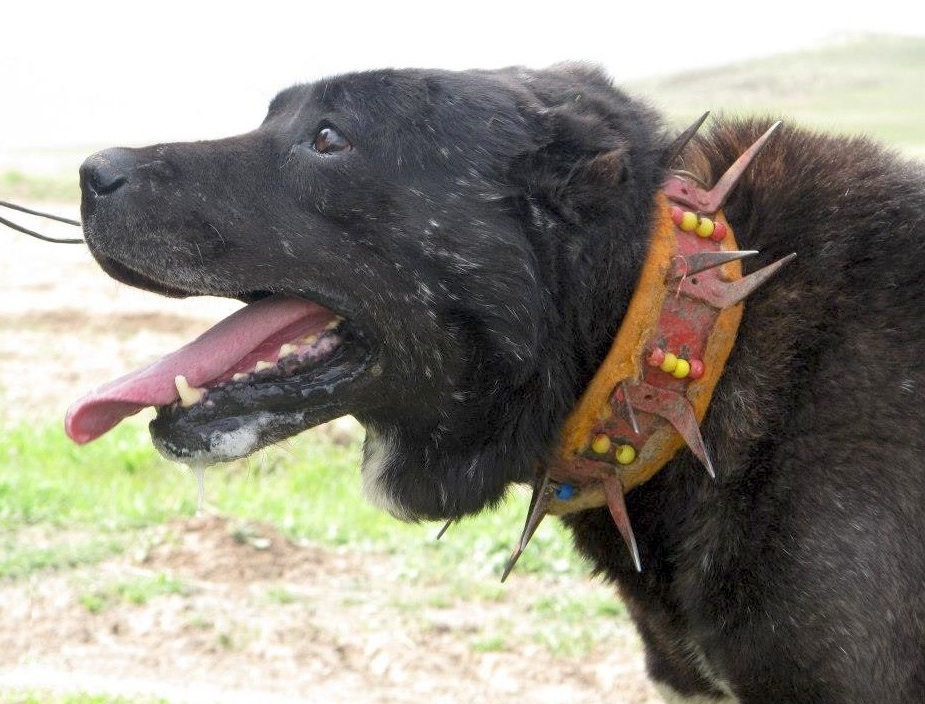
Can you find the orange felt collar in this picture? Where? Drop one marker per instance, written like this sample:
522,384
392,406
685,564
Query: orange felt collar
661,369
648,398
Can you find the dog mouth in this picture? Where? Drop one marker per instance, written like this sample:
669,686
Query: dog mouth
277,366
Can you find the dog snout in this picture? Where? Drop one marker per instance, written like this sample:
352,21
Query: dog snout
106,171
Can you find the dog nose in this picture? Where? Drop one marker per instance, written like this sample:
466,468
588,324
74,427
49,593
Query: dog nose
106,171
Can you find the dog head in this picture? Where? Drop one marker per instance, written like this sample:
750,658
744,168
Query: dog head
445,256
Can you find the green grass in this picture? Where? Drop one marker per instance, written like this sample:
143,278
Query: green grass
19,558
18,186
489,644
280,596
137,592
115,485
309,489
44,697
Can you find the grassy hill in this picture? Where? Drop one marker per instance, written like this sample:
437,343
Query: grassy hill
872,85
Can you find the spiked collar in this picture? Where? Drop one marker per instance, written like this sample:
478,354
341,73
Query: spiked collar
647,399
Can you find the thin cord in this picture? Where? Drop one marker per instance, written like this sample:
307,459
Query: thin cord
31,233
21,209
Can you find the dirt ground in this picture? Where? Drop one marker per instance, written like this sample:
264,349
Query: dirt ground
248,620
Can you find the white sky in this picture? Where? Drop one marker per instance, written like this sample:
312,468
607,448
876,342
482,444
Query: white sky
101,73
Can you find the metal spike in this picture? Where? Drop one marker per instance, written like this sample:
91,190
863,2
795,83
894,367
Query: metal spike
446,527
628,407
539,502
682,266
677,146
718,194
722,294
613,490
677,410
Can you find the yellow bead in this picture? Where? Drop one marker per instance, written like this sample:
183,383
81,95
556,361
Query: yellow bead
704,227
625,454
688,221
601,444
682,369
669,363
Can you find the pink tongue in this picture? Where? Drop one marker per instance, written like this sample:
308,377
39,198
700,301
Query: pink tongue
210,356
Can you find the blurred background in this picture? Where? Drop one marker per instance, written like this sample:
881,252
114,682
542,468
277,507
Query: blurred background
82,75
287,587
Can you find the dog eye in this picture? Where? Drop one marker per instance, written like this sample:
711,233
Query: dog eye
330,141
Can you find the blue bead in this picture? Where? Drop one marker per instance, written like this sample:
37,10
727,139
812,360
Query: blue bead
564,492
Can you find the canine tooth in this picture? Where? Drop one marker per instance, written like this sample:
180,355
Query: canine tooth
189,395
240,376
310,339
261,365
334,323
287,349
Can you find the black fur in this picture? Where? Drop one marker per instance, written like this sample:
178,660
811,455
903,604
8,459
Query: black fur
484,235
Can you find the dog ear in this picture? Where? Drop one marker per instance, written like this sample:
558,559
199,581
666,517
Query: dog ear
596,148
573,177
591,186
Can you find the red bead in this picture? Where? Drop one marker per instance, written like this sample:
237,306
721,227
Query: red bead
719,232
697,369
656,357
676,214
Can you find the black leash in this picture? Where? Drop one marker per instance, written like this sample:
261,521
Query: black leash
26,231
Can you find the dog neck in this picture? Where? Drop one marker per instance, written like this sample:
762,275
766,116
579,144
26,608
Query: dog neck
648,397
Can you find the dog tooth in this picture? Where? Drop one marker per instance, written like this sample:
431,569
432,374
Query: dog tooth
189,395
240,376
261,365
310,339
287,349
334,323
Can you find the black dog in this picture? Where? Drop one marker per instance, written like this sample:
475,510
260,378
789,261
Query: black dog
448,256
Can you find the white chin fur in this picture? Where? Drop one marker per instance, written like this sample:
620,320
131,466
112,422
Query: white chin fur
673,697
378,454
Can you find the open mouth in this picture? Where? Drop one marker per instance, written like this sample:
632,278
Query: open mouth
269,370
